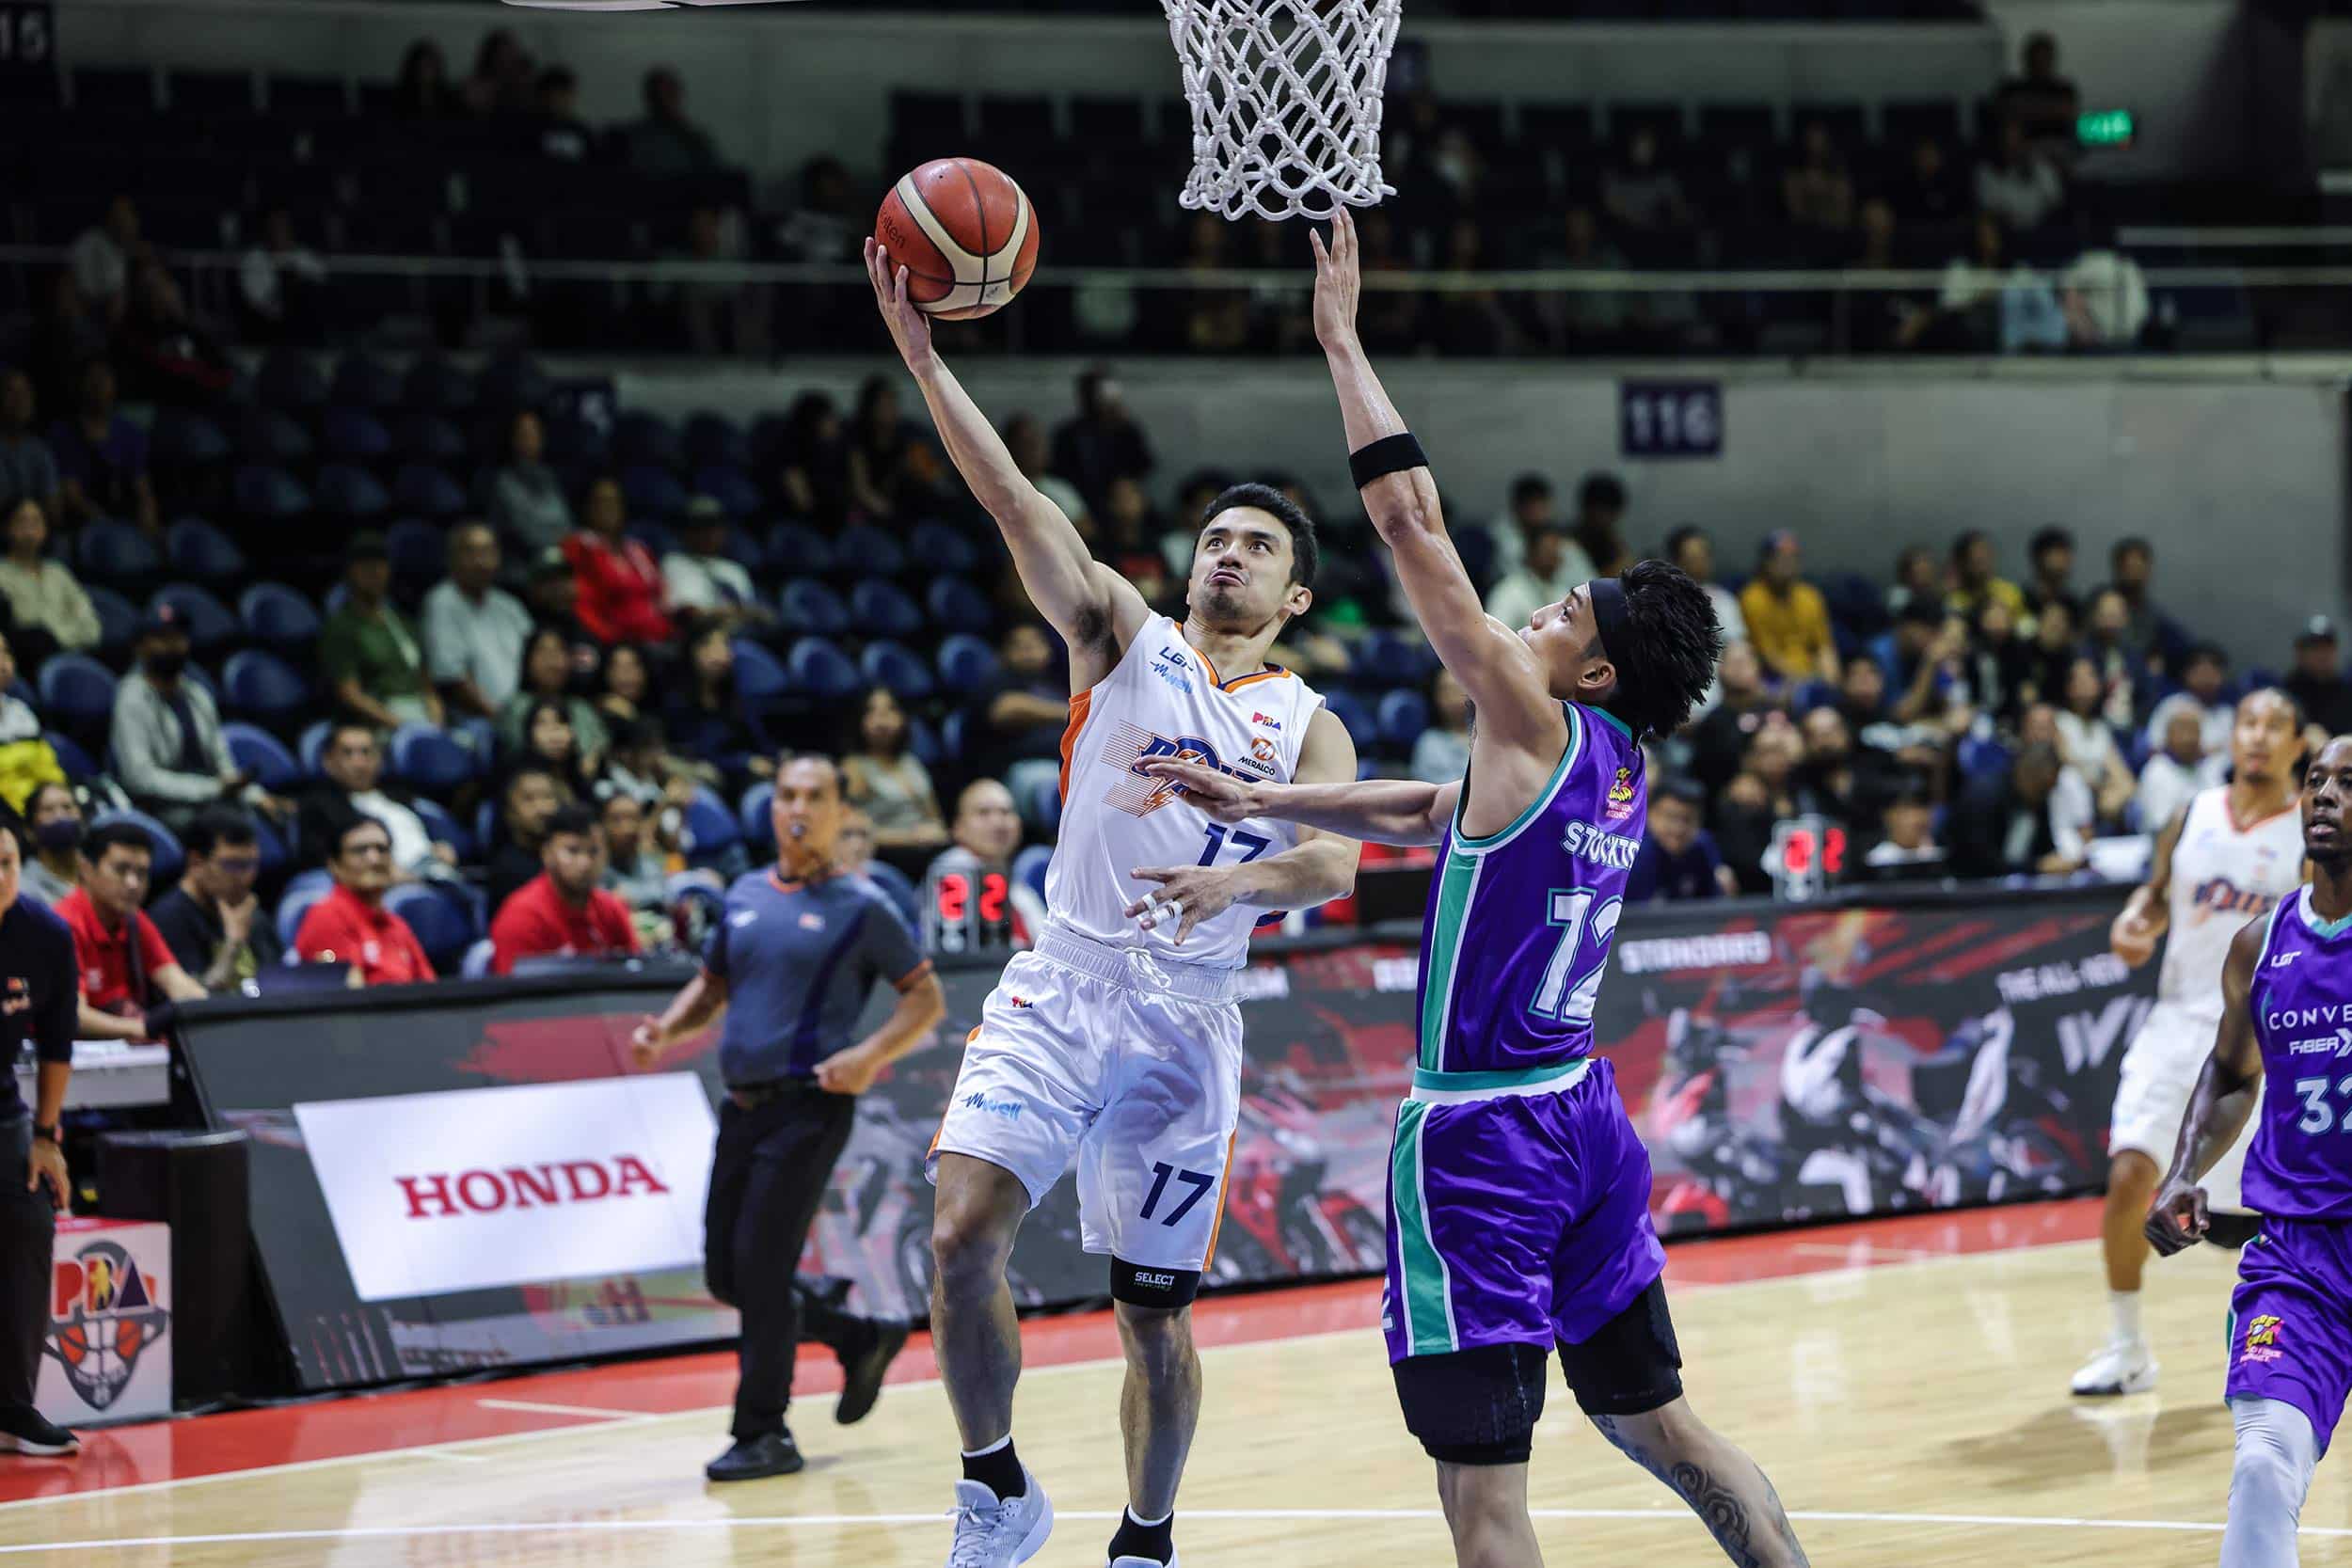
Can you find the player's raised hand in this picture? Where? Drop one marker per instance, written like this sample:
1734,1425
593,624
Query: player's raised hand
910,328
1338,282
2178,1219
1186,894
1220,797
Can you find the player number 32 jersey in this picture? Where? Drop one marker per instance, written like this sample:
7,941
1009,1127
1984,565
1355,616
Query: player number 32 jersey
1164,699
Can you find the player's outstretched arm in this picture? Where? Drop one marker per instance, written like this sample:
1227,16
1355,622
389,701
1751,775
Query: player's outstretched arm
1377,811
1487,657
2224,1097
1095,610
2146,914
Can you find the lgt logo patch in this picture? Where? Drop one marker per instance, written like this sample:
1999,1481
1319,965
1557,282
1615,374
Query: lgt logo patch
103,1318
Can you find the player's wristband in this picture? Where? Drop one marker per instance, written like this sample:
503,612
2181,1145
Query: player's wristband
45,1134
1390,454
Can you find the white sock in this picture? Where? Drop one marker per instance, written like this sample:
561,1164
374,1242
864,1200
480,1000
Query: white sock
981,1453
1151,1524
2124,1304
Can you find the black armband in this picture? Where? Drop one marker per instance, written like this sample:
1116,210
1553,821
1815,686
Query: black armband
1390,454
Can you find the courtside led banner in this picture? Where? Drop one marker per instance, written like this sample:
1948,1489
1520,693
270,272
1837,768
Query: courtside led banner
434,1193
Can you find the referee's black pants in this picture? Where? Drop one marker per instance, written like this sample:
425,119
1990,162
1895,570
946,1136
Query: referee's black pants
28,1230
774,1160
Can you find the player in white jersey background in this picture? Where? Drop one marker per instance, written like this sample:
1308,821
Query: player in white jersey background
2225,858
1115,1043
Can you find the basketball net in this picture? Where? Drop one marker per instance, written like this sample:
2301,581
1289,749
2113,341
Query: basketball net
1285,99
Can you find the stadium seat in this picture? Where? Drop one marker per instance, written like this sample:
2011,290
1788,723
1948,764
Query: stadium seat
182,437
1386,659
311,748
307,889
165,869
751,812
427,492
1402,716
436,386
965,664
444,926
351,493
923,740
953,730
273,435
822,670
1028,867
713,440
198,550
942,549
419,552
868,551
264,755
1042,808
356,436
1358,718
210,626
108,552
713,828
758,676
75,761
730,487
363,382
476,964
288,379
271,846
889,664
880,609
807,604
653,492
643,437
797,548
275,614
657,538
956,605
513,381
443,827
424,758
76,688
264,687
117,618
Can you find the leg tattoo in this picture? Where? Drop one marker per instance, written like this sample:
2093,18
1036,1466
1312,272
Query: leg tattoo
1715,1499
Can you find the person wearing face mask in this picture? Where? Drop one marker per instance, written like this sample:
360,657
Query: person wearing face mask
169,750
53,819
211,922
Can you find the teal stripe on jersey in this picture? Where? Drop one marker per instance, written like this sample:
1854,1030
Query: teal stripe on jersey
1568,754
1458,882
1428,1310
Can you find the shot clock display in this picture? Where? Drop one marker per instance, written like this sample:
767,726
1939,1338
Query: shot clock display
967,908
1806,856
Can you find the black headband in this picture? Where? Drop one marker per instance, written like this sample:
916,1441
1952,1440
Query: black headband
1608,611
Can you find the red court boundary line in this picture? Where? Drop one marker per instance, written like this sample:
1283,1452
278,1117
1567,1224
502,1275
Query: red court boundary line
327,1430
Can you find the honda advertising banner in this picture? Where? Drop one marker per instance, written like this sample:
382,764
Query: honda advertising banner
1782,1064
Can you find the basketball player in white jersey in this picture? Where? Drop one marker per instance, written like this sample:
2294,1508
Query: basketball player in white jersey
2225,858
1116,1042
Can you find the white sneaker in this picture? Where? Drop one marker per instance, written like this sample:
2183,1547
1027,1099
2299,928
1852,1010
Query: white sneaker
992,1534
1143,1561
2117,1369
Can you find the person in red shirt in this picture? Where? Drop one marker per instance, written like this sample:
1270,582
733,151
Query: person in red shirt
622,597
126,967
351,925
561,912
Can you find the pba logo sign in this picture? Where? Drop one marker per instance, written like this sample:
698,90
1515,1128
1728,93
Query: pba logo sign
104,1314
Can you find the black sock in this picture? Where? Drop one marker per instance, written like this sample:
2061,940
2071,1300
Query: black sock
999,1470
1156,1542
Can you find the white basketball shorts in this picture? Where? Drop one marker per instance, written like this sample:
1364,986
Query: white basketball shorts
1129,1066
2159,1071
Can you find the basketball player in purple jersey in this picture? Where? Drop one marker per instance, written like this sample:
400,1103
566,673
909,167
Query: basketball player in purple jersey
1518,1192
2286,1031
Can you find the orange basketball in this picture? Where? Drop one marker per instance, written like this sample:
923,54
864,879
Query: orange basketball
965,233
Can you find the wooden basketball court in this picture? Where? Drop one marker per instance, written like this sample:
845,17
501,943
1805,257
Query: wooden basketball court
1903,1381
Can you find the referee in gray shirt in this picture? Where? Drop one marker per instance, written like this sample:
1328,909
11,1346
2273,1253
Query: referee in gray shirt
791,965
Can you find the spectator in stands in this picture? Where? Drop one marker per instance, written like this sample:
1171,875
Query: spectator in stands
1216,320
1873,322
501,84
1906,836
2176,769
1471,320
666,145
1134,542
2205,677
1764,793
2149,631
1788,620
1441,751
1533,506
2041,104
627,693
1014,725
102,255
1967,317
635,869
474,630
167,355
352,763
1024,438
1392,317
1719,740
1101,442
1976,577
1816,189
561,912
1599,524
525,499
549,741
528,797
557,130
552,593
1918,579
170,753
1678,859
547,676
50,607
2001,663
1547,575
713,317
2054,649
853,856
622,593
2018,184
369,654
813,473
421,90
641,766
213,922
28,760
2018,820
1691,549
1930,195
102,456
2124,666
2316,681
29,469
1643,196
1916,747
126,969
706,720
54,865
1585,320
66,336
281,286
2052,553
822,227
702,577
1836,778
882,777
351,925
988,830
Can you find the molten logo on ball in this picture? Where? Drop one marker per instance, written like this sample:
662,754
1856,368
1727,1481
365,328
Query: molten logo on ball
104,1318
